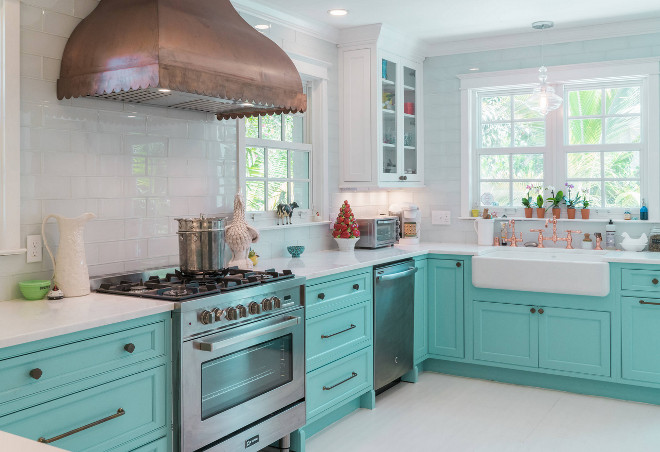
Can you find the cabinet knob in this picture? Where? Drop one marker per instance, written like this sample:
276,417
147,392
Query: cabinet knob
541,311
655,281
130,347
36,373
458,264
321,296
356,287
533,311
405,177
400,177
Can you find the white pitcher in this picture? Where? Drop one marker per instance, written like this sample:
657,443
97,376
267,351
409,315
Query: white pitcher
70,268
485,231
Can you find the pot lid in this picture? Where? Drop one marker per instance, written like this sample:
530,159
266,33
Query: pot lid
190,55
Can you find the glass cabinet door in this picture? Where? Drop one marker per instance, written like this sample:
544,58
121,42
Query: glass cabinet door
390,159
410,149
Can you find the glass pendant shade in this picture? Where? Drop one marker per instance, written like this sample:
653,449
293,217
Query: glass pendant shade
543,99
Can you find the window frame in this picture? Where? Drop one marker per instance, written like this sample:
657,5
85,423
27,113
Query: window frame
644,69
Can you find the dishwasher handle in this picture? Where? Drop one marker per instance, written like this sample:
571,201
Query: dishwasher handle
403,274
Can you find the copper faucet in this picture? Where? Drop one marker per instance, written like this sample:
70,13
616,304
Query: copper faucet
513,240
599,240
568,239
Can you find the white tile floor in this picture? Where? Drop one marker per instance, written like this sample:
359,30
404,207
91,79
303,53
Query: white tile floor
446,413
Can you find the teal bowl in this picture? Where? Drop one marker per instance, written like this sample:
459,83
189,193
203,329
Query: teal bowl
34,289
296,250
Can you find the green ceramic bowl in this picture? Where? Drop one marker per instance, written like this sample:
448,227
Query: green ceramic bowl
34,289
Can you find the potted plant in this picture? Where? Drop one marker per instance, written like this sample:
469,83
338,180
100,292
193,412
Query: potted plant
571,203
540,210
556,199
527,202
585,211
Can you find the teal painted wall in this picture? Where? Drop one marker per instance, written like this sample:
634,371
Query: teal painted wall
442,114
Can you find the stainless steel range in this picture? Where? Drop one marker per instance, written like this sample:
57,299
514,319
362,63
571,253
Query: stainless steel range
239,354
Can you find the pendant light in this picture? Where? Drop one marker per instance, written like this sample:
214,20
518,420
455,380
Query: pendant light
543,98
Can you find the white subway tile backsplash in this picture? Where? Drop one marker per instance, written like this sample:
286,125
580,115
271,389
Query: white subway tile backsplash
120,122
36,90
82,8
65,163
39,43
163,246
31,66
154,146
32,17
59,24
31,114
158,125
55,140
187,148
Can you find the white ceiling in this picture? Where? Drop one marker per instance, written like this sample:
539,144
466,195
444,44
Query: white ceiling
439,21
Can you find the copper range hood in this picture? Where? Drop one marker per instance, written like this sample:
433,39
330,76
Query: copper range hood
191,55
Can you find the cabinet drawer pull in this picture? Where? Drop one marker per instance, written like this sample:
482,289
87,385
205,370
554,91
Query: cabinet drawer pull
130,347
655,281
353,375
321,296
458,264
541,311
36,373
356,287
120,412
648,302
533,311
323,336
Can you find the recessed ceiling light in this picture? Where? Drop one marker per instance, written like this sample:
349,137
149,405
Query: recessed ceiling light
338,12
164,90
473,69
262,26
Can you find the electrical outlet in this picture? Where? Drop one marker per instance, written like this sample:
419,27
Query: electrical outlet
440,217
34,248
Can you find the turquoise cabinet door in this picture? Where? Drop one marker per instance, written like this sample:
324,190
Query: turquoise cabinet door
574,340
640,339
421,311
445,305
506,333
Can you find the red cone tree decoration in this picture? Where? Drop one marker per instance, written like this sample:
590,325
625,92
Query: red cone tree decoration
345,225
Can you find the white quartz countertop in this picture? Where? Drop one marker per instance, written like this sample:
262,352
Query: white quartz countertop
9,442
26,321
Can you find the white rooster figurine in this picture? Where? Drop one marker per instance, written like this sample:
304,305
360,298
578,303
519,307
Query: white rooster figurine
239,235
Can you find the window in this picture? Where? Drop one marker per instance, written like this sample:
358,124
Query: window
511,142
604,143
277,162
603,139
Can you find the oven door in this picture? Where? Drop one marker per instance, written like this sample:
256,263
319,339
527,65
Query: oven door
386,232
236,377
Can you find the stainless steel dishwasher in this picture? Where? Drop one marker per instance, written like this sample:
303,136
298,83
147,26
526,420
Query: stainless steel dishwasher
394,292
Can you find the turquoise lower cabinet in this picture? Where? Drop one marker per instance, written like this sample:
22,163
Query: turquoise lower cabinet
640,319
505,333
106,388
574,340
421,312
445,308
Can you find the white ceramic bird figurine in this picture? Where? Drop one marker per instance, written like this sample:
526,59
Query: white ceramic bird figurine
240,235
630,244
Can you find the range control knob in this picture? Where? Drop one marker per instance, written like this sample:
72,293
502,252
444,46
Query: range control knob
242,311
277,303
254,308
267,304
207,317
217,314
231,314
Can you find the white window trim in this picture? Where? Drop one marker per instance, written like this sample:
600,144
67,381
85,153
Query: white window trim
316,73
10,128
647,69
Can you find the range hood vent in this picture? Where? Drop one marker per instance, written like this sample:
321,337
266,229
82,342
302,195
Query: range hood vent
190,55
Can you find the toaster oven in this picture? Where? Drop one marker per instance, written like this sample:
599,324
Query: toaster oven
377,232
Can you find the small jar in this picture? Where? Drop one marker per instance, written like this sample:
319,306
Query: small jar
587,243
654,240
626,215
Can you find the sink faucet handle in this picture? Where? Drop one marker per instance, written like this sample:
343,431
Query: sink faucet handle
541,238
569,238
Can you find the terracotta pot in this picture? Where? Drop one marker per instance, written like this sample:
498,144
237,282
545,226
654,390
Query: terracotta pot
556,211
540,212
585,213
528,212
571,214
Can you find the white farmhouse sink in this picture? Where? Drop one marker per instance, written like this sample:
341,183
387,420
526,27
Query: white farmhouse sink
575,272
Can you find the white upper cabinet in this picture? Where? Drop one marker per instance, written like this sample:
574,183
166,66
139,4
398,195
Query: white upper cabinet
381,124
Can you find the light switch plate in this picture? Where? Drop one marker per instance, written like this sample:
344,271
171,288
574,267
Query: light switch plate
440,217
34,248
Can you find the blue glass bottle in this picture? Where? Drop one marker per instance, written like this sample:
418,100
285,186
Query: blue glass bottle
643,211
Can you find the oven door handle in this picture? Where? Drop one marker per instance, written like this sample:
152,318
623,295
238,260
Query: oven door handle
211,346
410,271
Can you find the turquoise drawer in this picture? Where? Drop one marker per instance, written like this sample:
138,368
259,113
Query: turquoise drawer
640,280
160,445
142,397
337,334
337,293
339,381
68,363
